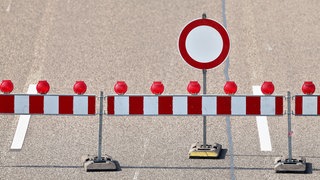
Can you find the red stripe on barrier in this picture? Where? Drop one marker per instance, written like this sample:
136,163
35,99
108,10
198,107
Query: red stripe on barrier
194,105
298,107
110,104
65,104
279,105
165,105
36,104
91,105
224,105
136,105
6,103
253,105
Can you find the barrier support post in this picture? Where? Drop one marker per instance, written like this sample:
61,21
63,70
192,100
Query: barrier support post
289,128
100,162
101,98
288,164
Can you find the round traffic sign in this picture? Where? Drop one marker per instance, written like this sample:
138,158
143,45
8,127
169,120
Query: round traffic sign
204,43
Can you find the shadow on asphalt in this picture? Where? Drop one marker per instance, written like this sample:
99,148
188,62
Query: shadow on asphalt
309,169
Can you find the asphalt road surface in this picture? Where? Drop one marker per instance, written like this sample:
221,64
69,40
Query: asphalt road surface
101,42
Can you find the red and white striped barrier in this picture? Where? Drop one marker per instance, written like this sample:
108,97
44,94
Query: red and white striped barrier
308,105
209,105
48,104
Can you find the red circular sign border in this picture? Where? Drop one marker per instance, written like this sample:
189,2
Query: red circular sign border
225,43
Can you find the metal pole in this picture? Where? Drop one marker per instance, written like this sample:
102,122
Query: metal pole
100,126
289,127
204,72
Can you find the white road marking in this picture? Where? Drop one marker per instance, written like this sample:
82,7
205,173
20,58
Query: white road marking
9,6
40,52
22,125
136,174
262,124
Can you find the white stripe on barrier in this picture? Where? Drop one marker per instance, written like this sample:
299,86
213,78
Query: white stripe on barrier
309,105
238,105
268,106
21,104
121,105
209,105
51,105
80,105
150,105
180,105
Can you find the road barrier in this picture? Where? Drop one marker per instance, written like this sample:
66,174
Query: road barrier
307,105
154,105
25,104
206,105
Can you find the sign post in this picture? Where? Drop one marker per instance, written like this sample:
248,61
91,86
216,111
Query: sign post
204,72
204,44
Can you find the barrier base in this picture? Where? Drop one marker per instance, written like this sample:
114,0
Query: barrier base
197,150
91,163
284,165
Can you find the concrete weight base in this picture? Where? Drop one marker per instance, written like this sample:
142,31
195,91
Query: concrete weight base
91,163
197,150
295,165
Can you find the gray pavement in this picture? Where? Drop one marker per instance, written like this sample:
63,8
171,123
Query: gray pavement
101,42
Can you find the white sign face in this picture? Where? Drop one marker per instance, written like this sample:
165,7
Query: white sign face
204,44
